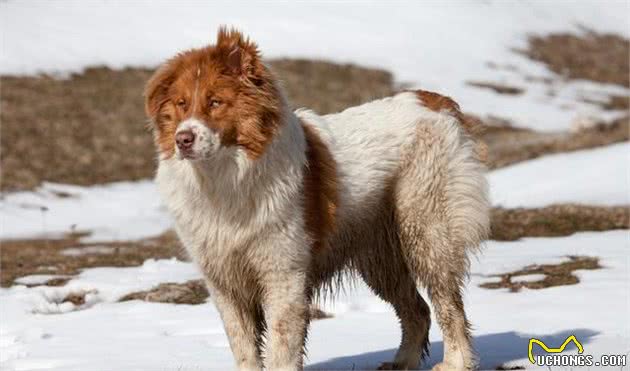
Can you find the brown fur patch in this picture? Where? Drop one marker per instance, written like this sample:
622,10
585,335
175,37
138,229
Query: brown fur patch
472,126
320,188
225,86
436,102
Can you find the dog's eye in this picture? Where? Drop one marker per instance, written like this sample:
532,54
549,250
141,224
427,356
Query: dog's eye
214,103
181,103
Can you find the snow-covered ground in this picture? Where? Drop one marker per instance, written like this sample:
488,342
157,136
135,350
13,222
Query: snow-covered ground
39,333
599,176
434,45
116,211
437,46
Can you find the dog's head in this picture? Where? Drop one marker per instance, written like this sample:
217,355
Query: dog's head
208,100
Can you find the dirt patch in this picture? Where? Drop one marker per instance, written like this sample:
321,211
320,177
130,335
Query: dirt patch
554,275
508,145
44,256
91,128
497,88
591,56
556,220
191,292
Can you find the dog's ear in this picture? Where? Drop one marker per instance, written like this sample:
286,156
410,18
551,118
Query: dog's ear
156,90
239,54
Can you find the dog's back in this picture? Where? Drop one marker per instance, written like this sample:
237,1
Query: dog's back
375,144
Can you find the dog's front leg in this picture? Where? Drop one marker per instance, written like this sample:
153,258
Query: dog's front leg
286,312
241,329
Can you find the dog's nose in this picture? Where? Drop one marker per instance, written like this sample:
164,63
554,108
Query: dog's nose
185,139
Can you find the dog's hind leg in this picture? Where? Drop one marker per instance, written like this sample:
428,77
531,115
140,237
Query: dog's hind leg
442,215
414,315
384,270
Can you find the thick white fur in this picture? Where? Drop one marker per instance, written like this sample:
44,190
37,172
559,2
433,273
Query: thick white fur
225,202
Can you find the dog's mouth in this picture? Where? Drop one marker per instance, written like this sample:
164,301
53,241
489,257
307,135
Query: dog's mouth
187,155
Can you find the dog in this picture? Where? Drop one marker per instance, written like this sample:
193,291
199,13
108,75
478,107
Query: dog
275,206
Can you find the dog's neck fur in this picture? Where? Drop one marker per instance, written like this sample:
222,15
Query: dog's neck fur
232,171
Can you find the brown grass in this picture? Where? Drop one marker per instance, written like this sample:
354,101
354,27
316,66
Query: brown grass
91,128
556,220
191,292
76,298
497,88
592,56
328,87
508,145
43,256
612,102
555,275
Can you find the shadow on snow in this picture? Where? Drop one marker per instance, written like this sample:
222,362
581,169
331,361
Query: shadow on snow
493,349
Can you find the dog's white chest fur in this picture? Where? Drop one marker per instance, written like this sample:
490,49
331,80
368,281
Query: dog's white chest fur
233,202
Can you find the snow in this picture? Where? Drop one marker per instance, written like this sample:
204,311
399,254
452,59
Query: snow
596,177
78,251
115,211
434,45
38,332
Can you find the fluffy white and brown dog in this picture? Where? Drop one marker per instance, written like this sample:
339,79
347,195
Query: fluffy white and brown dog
275,205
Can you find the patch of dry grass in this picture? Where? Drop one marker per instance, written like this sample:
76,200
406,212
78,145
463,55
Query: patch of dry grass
77,298
91,128
43,256
555,275
612,102
191,292
508,145
591,56
328,87
497,88
556,220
